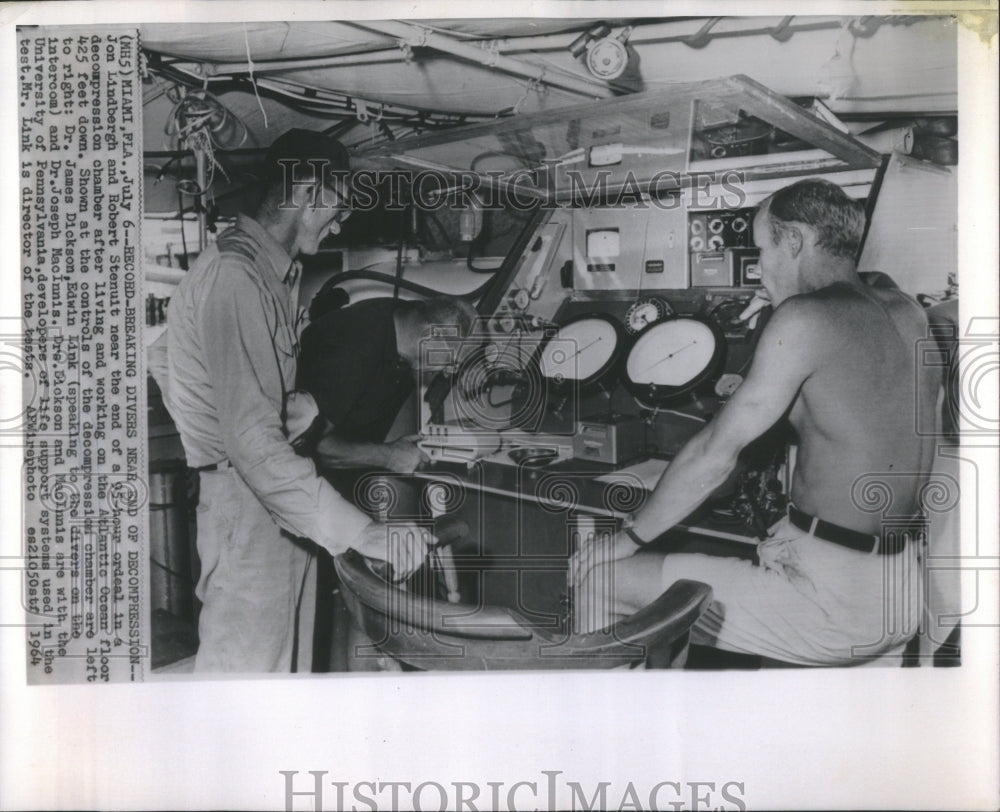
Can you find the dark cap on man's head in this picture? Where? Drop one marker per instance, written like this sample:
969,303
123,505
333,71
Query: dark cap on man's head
301,146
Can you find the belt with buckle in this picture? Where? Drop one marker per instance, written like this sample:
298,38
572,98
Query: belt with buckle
889,544
215,466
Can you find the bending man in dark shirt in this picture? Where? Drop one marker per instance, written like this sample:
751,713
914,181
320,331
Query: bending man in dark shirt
360,363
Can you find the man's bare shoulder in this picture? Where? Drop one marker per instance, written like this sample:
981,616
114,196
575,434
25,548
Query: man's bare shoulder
801,315
813,326
909,315
793,339
835,306
827,302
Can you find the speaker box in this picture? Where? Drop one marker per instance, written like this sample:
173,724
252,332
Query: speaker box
711,269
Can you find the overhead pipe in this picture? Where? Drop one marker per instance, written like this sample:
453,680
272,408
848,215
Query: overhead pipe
420,163
642,33
678,31
681,31
380,56
416,37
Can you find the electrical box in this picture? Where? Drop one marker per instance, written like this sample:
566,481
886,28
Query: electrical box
614,439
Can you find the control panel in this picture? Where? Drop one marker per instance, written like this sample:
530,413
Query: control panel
619,330
721,250
629,248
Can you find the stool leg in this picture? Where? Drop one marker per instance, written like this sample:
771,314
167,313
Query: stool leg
447,562
444,555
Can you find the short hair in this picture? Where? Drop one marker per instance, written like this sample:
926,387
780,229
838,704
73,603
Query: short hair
839,221
441,311
300,147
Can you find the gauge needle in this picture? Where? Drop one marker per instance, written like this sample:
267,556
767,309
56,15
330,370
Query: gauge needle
668,357
591,344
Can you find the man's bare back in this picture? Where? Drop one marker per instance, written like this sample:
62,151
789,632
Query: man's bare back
855,413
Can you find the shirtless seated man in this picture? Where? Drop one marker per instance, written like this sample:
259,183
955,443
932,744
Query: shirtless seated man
838,358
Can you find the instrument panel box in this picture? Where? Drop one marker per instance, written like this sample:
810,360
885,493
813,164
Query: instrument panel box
745,266
711,269
615,439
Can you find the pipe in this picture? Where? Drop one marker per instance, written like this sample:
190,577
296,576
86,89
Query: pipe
898,139
308,63
507,186
405,284
414,36
654,33
202,177
676,31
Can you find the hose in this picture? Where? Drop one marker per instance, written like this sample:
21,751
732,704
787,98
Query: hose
406,284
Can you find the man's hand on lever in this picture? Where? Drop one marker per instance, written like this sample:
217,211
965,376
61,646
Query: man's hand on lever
403,546
751,312
311,435
599,550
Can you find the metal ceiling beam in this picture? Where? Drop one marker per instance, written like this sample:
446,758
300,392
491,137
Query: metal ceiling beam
415,36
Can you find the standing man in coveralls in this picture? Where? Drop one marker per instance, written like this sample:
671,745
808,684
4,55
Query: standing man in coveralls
232,365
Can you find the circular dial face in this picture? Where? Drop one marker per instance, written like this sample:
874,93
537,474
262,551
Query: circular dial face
581,350
644,312
672,354
607,59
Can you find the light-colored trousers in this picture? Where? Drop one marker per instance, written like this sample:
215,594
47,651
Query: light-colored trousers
809,601
257,584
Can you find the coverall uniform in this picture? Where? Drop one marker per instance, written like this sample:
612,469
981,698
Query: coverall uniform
232,361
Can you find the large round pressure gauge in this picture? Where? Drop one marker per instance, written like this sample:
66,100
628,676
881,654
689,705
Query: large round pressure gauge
673,357
584,351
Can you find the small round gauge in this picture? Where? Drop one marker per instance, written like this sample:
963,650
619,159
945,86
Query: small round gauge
519,298
583,351
607,59
645,312
673,357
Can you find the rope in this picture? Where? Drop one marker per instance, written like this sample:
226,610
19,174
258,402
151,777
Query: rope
253,82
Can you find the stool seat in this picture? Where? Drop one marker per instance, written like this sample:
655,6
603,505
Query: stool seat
427,633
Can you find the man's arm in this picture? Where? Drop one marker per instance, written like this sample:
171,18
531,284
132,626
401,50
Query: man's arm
238,349
334,374
401,456
785,357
